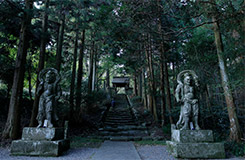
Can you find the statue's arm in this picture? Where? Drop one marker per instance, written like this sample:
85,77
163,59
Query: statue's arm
177,93
59,92
39,89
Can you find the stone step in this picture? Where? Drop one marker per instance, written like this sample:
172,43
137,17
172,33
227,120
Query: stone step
125,133
116,125
122,138
116,115
120,114
123,128
118,118
118,111
120,123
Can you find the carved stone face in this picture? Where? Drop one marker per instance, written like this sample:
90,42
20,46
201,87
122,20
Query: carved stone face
187,80
50,77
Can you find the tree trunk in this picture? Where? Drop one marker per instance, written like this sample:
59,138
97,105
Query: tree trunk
60,42
29,81
86,59
80,72
12,126
135,85
152,100
139,86
235,131
91,62
168,98
94,78
208,103
73,77
164,65
162,90
108,78
144,95
41,62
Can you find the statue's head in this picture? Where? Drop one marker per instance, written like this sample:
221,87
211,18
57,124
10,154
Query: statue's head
187,79
50,77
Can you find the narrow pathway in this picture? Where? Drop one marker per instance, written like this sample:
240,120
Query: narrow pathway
120,124
116,151
108,151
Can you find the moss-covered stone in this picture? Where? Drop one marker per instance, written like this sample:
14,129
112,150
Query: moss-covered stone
31,133
187,136
39,148
196,150
40,142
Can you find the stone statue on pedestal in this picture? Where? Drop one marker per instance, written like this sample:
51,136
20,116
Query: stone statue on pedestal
49,92
46,139
191,142
185,94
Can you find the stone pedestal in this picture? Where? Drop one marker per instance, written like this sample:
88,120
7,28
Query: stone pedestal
40,142
194,144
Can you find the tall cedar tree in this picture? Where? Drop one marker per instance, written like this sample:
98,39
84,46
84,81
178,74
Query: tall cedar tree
33,121
12,126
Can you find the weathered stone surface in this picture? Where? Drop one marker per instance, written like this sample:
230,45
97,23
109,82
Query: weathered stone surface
116,151
187,136
49,91
196,150
31,133
39,148
186,93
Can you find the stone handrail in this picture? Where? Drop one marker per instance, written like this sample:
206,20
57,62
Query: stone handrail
133,110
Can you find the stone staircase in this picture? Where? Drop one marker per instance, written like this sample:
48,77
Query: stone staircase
120,124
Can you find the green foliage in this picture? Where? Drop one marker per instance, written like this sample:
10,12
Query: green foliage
77,142
167,129
95,96
121,33
150,142
236,149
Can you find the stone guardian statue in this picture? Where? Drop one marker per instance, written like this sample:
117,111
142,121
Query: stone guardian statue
49,92
185,93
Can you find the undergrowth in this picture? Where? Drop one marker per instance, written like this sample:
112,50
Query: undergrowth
77,142
150,142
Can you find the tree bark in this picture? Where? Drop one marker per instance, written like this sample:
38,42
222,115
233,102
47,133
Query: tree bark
108,78
152,100
139,86
41,63
164,67
162,89
60,42
168,98
29,80
144,89
235,131
73,77
12,126
80,72
94,77
135,85
91,62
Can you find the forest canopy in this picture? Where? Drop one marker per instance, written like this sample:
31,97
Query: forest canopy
91,41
